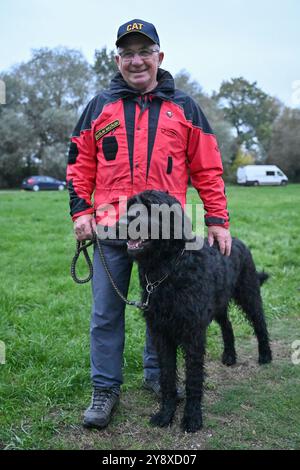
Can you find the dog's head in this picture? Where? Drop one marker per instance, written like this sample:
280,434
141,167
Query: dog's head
157,225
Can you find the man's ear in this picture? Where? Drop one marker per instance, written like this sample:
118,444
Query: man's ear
160,58
117,60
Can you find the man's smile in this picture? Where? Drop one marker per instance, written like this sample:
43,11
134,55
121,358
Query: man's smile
138,71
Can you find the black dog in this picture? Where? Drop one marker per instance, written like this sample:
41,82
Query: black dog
185,290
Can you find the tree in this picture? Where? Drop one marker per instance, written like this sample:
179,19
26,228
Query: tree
219,124
251,112
16,147
44,97
104,67
191,87
242,159
59,77
285,143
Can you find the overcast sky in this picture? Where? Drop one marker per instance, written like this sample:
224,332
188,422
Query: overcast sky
213,40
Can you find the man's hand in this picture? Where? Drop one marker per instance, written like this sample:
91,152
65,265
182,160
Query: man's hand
222,236
84,226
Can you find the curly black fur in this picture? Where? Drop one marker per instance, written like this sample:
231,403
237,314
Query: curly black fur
198,290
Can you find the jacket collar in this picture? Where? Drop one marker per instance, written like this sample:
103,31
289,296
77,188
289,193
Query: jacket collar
165,88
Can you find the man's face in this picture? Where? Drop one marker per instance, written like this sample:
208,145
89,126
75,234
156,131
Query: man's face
138,71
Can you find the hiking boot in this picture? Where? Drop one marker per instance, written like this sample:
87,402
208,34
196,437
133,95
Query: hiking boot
154,386
99,413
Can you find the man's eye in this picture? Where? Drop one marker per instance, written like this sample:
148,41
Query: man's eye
127,55
144,53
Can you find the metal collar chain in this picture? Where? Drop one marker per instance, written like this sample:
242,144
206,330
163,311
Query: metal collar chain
151,286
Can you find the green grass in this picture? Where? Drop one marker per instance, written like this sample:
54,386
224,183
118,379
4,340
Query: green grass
44,323
262,410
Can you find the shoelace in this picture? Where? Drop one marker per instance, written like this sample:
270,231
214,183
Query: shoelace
101,399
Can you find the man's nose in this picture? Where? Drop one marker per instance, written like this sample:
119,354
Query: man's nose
136,60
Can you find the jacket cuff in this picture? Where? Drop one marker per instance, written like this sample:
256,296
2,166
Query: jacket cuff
216,221
78,214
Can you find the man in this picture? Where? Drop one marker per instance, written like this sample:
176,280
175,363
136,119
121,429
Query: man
140,134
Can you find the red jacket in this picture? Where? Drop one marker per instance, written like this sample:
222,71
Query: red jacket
125,143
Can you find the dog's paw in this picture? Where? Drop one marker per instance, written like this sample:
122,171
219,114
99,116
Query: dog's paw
265,358
228,359
191,424
161,419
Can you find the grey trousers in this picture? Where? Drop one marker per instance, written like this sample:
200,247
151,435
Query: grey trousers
108,321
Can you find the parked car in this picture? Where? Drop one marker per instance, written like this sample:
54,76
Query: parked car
37,183
260,175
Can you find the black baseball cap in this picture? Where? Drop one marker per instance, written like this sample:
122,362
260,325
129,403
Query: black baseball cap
138,26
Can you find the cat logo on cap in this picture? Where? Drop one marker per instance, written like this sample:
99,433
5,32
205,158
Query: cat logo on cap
133,26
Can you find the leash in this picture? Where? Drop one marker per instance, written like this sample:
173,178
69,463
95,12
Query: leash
81,246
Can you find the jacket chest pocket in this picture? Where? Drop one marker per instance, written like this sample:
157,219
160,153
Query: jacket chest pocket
110,147
172,139
169,133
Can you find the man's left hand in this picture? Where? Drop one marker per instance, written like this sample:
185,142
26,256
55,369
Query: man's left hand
222,236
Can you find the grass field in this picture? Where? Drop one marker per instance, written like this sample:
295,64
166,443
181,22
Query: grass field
44,324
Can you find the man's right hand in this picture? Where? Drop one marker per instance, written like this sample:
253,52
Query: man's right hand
84,227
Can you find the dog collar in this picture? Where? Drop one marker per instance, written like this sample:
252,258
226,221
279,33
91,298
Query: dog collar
151,286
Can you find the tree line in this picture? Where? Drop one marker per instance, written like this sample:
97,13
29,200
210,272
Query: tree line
45,96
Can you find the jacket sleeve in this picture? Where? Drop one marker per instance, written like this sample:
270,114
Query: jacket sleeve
206,169
82,164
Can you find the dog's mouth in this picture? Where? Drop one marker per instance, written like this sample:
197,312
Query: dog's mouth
137,245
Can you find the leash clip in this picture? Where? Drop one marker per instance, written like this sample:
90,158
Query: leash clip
150,288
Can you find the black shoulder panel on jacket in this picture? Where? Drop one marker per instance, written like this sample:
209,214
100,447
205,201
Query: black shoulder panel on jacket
73,153
91,112
192,111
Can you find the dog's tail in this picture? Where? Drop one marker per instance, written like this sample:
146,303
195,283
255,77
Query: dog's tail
262,277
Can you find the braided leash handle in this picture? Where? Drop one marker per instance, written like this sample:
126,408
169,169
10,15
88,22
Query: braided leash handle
82,247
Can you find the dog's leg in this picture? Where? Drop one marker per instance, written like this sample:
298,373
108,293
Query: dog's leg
229,354
194,359
166,351
255,315
249,298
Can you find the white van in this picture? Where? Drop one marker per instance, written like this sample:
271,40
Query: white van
260,174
